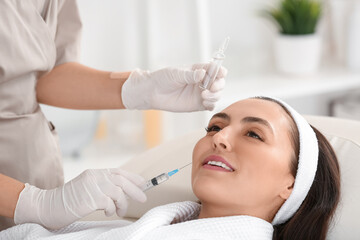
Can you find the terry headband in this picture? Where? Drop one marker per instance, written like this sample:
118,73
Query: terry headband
307,165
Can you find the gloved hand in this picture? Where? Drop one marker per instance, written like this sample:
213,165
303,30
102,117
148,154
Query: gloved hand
92,190
172,89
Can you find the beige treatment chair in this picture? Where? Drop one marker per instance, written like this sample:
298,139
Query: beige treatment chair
344,135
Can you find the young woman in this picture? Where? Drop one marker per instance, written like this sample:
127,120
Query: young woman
260,172
258,140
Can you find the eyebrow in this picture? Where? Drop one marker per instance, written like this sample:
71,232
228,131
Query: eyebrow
258,120
245,120
221,115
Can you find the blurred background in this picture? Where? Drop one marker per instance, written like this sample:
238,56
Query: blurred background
121,35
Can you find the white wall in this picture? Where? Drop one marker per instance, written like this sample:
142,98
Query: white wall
120,35
110,39
125,34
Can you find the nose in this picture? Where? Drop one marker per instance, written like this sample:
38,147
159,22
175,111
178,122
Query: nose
222,140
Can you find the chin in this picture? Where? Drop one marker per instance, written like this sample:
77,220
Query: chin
207,190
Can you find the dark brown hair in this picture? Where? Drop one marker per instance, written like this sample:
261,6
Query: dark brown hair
312,219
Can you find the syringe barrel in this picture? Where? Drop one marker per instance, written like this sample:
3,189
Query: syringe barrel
211,72
147,185
161,178
155,181
214,66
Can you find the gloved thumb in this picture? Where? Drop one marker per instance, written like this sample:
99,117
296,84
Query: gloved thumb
194,76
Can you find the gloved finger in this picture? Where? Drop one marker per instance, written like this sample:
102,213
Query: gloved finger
209,105
199,66
193,76
110,207
121,206
135,178
121,211
222,72
218,85
211,96
115,192
129,188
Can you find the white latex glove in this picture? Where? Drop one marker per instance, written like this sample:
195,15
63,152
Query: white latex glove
172,89
92,190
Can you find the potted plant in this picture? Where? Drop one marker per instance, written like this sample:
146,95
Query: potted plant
297,46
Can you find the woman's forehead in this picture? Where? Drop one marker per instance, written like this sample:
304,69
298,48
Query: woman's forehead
253,105
260,108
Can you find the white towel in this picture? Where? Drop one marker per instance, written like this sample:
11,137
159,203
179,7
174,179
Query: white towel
172,221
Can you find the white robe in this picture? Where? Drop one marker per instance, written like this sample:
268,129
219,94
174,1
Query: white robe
172,221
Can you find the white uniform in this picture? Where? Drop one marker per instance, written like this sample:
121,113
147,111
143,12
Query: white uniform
35,36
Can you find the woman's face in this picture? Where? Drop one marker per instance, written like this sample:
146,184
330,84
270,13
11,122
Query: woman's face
242,165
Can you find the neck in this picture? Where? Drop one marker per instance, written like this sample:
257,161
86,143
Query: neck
209,210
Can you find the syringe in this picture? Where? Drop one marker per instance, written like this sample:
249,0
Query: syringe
214,65
161,178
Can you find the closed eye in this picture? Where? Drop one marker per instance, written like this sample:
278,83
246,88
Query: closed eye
252,134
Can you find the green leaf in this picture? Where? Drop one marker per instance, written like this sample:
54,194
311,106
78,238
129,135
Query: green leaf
296,17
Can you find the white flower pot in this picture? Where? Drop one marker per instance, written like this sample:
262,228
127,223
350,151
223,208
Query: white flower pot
297,54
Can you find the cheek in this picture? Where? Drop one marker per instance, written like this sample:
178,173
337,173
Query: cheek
269,173
271,165
262,171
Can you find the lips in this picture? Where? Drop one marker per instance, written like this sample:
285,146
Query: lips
214,162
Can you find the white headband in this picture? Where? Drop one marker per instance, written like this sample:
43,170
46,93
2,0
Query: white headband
307,165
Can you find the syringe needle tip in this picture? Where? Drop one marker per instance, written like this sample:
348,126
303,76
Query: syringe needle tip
185,165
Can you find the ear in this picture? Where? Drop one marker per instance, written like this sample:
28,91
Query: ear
288,187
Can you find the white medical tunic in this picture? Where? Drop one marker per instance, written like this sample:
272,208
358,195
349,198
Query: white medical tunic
35,36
